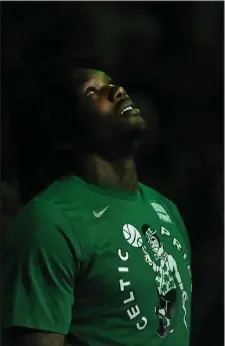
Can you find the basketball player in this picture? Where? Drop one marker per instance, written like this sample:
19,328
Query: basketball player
74,268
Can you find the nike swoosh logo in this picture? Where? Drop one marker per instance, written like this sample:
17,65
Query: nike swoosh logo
100,213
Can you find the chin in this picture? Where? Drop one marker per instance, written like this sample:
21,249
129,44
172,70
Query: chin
118,135
135,123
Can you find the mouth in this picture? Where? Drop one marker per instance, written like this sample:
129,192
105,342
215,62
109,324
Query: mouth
126,108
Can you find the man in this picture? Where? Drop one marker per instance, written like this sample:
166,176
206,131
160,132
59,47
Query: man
74,271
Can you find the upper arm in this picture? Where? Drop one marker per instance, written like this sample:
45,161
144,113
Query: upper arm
39,274
28,337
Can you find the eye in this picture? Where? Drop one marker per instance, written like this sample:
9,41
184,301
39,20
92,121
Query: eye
90,91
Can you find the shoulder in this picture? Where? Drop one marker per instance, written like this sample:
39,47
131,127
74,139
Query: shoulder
162,205
57,201
154,196
65,190
36,212
35,223
39,231
45,222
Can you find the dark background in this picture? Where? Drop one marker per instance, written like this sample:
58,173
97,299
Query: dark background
169,56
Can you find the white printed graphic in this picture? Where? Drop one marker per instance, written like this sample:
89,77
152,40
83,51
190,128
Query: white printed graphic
167,276
161,212
100,213
132,235
133,310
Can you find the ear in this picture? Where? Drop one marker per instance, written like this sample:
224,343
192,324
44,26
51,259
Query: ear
10,204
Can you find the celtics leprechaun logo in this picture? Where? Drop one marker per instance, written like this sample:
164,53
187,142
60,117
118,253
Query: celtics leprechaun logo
167,279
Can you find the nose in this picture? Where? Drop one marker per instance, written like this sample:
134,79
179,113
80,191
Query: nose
116,93
119,93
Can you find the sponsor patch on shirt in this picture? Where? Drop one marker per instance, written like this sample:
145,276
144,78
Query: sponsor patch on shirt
161,212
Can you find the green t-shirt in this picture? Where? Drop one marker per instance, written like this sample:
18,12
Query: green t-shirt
103,266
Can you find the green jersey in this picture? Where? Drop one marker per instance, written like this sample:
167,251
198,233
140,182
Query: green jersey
102,266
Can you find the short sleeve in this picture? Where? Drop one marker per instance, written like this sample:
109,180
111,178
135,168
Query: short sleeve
39,272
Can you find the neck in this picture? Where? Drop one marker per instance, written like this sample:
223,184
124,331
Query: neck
119,173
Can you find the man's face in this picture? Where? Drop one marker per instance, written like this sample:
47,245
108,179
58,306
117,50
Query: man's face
154,243
106,109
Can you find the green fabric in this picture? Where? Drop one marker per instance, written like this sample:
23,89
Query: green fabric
78,261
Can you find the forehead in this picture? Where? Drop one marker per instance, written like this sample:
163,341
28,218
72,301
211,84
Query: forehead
84,76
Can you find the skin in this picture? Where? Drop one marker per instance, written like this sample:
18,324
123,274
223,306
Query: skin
112,162
108,158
